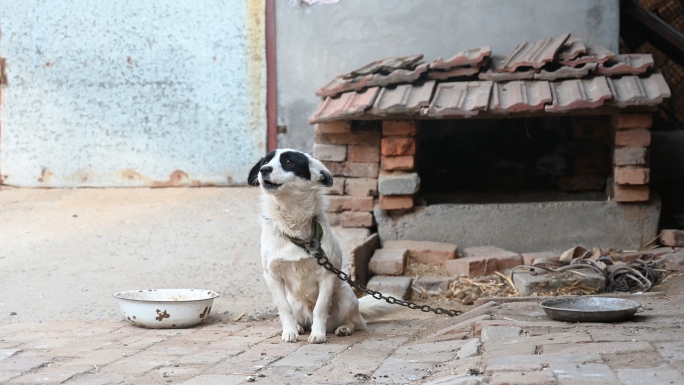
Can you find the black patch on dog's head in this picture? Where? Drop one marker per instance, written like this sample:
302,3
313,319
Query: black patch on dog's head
296,163
326,179
253,178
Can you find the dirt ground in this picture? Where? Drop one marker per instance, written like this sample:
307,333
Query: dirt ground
64,252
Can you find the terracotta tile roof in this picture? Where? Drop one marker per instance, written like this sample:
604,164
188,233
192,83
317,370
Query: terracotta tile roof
469,57
533,55
638,91
558,75
460,99
403,99
626,64
519,96
347,105
578,94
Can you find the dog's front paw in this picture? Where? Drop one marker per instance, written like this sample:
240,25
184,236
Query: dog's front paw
316,338
300,329
290,336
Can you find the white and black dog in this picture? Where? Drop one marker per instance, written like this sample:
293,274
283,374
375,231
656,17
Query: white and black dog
308,296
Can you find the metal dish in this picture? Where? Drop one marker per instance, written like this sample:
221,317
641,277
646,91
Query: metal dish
166,308
590,309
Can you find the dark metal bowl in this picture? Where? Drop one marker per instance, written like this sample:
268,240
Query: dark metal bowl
590,309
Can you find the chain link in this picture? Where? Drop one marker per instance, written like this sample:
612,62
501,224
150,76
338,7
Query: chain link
314,250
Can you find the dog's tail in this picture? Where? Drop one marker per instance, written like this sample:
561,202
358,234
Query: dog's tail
372,309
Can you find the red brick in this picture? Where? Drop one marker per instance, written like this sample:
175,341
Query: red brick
631,193
355,138
434,253
356,219
632,176
361,187
353,169
399,128
581,183
338,127
398,163
338,186
396,202
330,152
674,238
481,265
398,146
364,154
625,121
636,138
348,203
334,219
388,261
628,156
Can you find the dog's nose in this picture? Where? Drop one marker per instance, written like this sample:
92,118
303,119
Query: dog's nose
266,170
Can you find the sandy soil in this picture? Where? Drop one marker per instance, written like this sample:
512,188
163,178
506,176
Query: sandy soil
63,252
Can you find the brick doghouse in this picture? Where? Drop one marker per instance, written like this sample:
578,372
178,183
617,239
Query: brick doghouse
372,123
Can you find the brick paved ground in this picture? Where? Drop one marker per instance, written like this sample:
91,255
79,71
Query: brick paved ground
508,343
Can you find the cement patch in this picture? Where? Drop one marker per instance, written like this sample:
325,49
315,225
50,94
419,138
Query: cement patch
524,227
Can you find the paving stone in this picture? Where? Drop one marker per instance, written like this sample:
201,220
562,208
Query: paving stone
528,283
7,353
388,261
435,253
459,379
634,335
634,137
401,371
533,362
435,284
529,258
338,127
352,365
257,357
51,375
102,357
496,333
23,364
398,146
399,128
363,154
599,348
631,156
398,163
658,375
429,352
138,364
396,202
632,176
312,355
469,349
216,379
353,203
96,378
398,183
674,261
396,286
330,152
467,325
672,238
542,377
356,219
353,169
361,186
583,373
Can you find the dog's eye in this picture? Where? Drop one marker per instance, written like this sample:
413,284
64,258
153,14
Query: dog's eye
288,161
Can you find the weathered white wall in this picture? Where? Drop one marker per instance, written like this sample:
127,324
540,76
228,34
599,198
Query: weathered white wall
132,93
317,42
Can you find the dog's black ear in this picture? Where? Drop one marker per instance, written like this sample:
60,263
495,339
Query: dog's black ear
326,179
253,178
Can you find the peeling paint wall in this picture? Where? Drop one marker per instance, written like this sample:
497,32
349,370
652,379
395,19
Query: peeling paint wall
132,93
317,42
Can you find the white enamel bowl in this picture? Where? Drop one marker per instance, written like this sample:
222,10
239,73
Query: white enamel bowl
166,308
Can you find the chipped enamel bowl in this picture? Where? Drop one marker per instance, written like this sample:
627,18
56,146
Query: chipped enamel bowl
166,308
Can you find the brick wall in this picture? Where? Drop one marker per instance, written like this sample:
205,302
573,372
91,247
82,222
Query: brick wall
630,160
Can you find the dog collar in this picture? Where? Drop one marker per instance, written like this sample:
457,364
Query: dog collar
313,244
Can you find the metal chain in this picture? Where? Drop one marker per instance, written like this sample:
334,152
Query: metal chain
314,249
